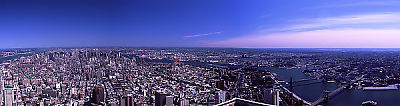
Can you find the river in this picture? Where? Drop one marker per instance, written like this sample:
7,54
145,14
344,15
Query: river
2,59
353,97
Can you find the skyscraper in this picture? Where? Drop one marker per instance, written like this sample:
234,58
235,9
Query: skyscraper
9,97
169,101
220,97
98,95
184,102
127,100
160,99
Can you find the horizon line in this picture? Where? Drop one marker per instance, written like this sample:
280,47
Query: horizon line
70,47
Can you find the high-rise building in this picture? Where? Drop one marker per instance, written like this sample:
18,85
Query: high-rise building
221,85
169,101
123,100
220,97
271,96
50,92
39,90
9,97
160,99
276,97
98,95
184,102
127,101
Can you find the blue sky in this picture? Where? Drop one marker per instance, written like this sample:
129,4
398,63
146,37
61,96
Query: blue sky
200,23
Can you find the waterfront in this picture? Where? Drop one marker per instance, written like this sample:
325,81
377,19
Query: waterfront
2,59
353,97
308,90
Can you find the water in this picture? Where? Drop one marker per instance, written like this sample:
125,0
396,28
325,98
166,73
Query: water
2,59
195,63
307,90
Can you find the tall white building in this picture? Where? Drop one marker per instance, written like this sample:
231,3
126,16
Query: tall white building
9,96
1,88
184,102
220,97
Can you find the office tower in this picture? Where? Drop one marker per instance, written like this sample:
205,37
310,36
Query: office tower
123,100
9,97
50,92
46,102
58,90
220,97
99,74
169,101
184,102
160,99
39,90
131,101
271,96
162,52
98,95
221,85
127,101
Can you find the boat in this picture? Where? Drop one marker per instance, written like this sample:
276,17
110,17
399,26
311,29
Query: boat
369,103
331,81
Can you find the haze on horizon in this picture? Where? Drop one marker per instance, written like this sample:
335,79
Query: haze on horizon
200,23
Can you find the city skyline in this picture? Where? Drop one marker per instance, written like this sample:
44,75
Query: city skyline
199,53
224,24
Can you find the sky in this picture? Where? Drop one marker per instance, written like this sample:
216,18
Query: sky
200,23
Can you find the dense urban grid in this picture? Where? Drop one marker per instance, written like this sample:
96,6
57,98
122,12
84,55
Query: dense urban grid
183,76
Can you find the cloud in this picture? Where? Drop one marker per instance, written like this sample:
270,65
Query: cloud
332,38
350,31
365,3
204,34
347,21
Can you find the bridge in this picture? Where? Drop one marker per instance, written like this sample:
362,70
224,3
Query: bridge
301,80
328,94
293,96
